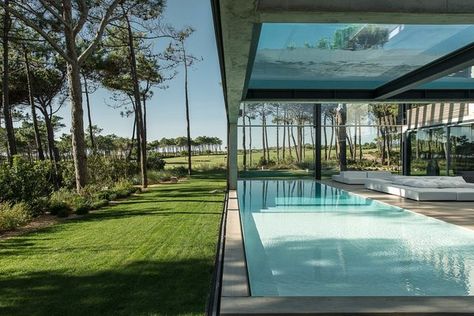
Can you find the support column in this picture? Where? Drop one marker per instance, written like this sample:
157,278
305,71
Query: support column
406,154
317,146
232,166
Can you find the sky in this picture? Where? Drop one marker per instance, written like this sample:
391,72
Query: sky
166,109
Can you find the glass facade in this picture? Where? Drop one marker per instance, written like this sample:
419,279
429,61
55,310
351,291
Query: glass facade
462,148
447,150
280,139
351,56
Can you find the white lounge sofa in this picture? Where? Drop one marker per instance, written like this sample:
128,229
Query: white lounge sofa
425,188
359,177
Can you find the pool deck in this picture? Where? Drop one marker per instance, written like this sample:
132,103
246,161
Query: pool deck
235,292
454,212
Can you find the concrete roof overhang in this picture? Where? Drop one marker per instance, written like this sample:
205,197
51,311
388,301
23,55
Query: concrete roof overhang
237,24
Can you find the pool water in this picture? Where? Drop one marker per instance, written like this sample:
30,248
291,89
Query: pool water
303,238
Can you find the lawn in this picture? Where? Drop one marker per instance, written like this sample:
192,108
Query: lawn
152,254
201,162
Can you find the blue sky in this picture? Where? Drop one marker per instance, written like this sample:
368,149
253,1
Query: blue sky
166,112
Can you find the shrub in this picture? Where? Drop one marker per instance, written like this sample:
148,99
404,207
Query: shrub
81,205
107,170
63,202
179,171
265,163
26,181
155,162
13,215
68,174
99,203
60,209
124,188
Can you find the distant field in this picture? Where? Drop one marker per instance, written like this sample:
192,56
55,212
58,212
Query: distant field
219,161
199,162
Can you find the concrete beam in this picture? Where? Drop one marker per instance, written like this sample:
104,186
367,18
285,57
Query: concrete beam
237,19
366,11
386,6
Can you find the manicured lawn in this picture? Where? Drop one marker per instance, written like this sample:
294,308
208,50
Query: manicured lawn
199,162
150,255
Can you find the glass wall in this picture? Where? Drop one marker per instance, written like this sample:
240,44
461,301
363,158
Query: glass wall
280,139
462,149
442,150
276,140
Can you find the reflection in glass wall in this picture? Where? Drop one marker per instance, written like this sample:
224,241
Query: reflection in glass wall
279,139
367,148
462,148
429,152
442,150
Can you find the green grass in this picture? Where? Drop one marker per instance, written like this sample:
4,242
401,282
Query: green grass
152,254
205,162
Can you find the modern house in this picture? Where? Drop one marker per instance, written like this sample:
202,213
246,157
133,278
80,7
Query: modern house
405,52
317,247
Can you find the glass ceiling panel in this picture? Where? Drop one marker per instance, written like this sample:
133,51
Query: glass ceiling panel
348,56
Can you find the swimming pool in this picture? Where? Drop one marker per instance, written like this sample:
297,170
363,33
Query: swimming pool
303,238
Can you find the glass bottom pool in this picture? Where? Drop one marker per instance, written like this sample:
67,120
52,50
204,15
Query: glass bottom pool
303,238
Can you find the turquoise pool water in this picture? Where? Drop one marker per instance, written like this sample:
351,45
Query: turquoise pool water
303,238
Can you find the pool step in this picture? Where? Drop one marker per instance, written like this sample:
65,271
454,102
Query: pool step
335,201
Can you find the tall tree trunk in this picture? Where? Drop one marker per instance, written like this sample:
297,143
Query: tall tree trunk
244,140
342,114
325,139
250,141
75,95
39,146
288,137
284,137
89,114
188,122
296,145
52,150
263,137
388,140
349,141
355,141
145,130
278,134
266,141
129,155
360,141
136,94
7,114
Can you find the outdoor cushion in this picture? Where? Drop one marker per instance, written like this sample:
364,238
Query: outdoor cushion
348,180
353,174
465,194
417,183
451,182
379,174
431,182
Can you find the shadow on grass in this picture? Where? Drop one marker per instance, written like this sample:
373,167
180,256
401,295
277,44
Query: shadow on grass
144,287
139,288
